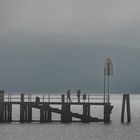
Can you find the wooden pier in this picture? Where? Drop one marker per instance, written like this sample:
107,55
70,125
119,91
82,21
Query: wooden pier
46,107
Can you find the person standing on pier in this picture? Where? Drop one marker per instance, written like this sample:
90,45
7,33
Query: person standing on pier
68,96
78,95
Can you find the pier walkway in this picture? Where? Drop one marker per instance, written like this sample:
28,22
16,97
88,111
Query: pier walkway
47,104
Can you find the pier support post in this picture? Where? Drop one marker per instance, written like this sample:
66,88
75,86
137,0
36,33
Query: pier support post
65,115
22,109
107,111
7,114
86,112
5,109
29,112
25,111
1,112
68,115
42,114
1,105
126,100
48,113
45,113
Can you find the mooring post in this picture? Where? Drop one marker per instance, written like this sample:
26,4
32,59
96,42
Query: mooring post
123,108
128,109
126,100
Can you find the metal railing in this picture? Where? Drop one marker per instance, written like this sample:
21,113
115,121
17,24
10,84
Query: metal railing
55,98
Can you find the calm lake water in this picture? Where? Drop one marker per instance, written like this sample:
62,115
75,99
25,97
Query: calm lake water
79,131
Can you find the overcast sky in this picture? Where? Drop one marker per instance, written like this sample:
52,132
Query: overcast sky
59,44
90,21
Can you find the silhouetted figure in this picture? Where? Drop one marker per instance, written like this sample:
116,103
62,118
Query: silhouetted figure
68,96
78,94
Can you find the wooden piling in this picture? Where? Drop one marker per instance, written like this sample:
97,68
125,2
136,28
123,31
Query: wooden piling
126,100
68,109
48,113
1,105
128,109
10,112
86,112
29,112
123,108
7,113
42,114
107,111
22,118
65,115
45,113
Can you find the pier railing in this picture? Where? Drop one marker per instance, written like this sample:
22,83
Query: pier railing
54,98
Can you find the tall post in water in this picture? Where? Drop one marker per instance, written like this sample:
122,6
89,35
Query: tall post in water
126,100
108,70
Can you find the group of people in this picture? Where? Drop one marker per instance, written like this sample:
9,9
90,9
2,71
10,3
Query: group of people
69,93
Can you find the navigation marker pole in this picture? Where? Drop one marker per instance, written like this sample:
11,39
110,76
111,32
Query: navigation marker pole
108,70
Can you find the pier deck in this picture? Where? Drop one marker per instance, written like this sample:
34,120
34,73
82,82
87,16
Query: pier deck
46,105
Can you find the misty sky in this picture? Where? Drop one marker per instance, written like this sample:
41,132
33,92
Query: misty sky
49,43
92,21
